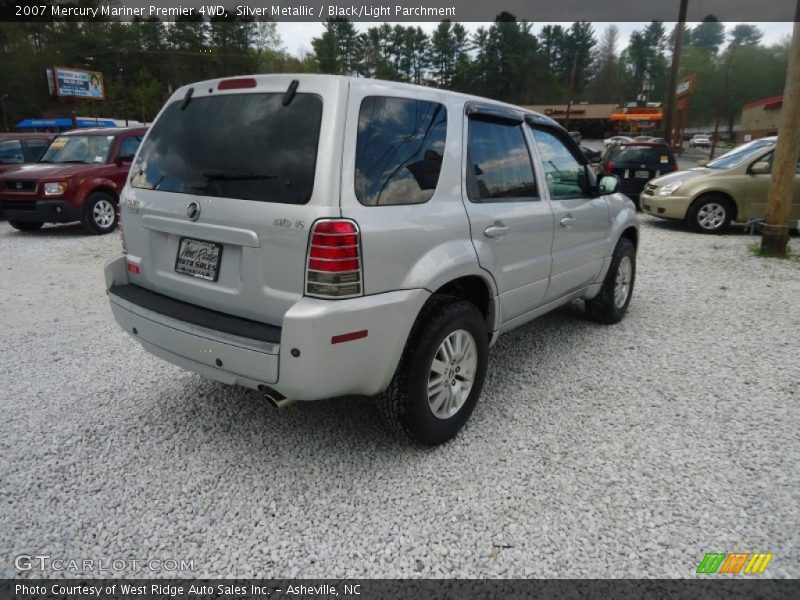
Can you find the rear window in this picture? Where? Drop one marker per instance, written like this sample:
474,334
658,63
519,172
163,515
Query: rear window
243,146
399,150
641,154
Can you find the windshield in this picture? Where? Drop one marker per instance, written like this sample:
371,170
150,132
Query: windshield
739,155
86,149
243,146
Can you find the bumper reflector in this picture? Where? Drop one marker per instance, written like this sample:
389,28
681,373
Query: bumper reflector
349,337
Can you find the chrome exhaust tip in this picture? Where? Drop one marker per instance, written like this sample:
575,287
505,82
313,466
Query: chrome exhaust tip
275,399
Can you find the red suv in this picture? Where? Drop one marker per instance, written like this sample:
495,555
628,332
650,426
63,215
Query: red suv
79,178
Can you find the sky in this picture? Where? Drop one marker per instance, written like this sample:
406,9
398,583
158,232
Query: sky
297,36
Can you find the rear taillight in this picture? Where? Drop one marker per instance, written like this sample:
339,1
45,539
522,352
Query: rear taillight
609,167
333,264
675,166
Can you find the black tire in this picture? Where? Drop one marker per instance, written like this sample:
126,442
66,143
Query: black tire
603,308
404,406
26,225
710,214
99,224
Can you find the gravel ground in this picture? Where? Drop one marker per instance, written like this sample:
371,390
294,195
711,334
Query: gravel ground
595,451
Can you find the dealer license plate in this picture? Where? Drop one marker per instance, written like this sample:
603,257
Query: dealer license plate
198,259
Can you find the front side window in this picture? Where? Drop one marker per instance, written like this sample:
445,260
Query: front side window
399,150
86,149
11,152
498,162
566,176
242,146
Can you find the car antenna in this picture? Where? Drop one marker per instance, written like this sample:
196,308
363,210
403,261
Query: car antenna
187,98
289,95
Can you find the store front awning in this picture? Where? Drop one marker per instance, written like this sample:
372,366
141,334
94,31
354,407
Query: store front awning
82,122
638,116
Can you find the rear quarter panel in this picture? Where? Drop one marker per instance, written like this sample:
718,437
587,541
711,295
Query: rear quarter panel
412,246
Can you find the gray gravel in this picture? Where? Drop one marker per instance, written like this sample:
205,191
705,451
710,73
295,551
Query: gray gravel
595,451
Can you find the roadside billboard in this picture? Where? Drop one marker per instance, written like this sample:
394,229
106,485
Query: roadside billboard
78,83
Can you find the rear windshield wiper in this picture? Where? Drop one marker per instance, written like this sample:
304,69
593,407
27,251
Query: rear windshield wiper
213,175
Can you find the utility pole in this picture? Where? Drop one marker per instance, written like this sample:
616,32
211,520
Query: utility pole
775,235
572,88
723,98
669,105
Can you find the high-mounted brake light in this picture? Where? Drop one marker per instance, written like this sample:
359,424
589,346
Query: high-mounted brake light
333,264
236,84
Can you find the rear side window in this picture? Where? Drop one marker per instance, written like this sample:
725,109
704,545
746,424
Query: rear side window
11,152
399,150
498,162
36,149
129,146
244,146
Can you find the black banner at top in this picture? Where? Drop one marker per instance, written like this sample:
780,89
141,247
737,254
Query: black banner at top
398,10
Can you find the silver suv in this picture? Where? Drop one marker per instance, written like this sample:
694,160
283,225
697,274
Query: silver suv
316,236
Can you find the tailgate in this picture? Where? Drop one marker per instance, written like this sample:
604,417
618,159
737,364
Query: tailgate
225,188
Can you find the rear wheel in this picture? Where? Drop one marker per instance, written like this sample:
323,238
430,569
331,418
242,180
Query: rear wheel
26,225
441,373
100,215
710,214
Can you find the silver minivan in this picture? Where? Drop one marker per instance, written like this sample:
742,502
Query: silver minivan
314,236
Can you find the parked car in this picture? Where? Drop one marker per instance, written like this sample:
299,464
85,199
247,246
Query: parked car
78,178
576,135
593,156
700,141
642,138
20,148
731,188
617,139
378,246
657,140
636,163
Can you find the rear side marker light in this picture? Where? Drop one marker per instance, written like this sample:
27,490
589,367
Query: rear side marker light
135,269
333,263
349,337
236,84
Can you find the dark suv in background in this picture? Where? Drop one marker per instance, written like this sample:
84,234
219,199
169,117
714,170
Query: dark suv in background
636,163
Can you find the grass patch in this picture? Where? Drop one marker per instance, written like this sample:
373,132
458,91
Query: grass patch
755,248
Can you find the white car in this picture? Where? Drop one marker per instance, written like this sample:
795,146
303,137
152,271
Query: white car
617,139
700,141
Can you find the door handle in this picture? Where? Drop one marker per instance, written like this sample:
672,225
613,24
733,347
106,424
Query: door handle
497,230
567,222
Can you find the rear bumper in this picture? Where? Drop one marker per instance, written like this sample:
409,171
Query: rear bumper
44,211
303,363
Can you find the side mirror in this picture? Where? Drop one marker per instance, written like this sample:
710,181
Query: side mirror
608,184
124,158
761,168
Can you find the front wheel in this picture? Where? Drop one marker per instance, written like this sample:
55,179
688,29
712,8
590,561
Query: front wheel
611,304
710,214
441,372
100,215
